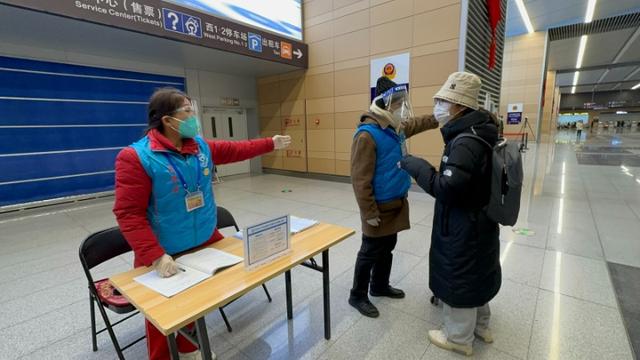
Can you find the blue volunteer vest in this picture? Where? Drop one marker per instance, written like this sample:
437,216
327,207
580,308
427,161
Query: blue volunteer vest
177,229
389,181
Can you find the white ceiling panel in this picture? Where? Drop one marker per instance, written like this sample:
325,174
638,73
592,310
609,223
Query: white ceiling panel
603,48
563,54
606,87
590,77
633,51
586,77
635,75
618,74
579,89
546,14
629,84
564,79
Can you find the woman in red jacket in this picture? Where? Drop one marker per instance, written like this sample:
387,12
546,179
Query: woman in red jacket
164,198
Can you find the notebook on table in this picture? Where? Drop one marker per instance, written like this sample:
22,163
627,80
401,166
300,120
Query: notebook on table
193,269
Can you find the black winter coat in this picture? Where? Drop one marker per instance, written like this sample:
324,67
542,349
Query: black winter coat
464,259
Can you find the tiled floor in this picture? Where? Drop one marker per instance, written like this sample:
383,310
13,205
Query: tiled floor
557,299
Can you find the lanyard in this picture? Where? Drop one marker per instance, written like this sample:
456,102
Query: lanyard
175,168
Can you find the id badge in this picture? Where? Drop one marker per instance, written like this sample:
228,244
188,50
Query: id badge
194,200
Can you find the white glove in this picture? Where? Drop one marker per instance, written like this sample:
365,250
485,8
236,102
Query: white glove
165,266
281,141
374,222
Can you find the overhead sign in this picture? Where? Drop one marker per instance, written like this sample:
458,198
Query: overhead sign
394,67
165,19
514,113
283,17
182,23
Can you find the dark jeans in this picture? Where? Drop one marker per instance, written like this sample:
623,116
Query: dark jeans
373,264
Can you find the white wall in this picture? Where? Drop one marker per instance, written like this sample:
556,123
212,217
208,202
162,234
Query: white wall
208,87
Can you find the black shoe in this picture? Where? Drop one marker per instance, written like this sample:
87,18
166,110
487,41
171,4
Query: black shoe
365,307
389,292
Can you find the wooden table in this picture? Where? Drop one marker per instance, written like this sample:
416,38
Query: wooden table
172,315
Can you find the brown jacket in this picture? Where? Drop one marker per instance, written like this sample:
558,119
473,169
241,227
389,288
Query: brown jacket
394,215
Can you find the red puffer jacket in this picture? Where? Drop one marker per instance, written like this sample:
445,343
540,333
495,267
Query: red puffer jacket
133,188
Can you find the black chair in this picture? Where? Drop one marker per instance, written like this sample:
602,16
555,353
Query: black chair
225,220
95,250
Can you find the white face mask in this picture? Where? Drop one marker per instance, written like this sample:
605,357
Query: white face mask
442,112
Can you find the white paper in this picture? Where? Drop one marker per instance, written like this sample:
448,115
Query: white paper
174,284
209,260
298,225
301,224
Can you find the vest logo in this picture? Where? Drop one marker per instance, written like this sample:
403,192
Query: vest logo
203,161
447,173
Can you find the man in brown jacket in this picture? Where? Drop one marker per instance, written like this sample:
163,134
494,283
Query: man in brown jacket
381,189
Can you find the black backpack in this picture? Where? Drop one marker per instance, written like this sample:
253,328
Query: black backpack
506,180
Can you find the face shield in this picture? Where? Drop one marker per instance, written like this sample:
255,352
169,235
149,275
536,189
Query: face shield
191,118
188,121
396,101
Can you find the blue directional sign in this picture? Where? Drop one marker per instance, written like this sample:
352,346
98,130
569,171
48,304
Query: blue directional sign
182,23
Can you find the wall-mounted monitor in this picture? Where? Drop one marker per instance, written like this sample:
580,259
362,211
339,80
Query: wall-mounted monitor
282,17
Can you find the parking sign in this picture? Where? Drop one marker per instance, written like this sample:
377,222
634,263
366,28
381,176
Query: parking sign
255,42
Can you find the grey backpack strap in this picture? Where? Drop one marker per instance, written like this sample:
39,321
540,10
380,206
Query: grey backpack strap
472,136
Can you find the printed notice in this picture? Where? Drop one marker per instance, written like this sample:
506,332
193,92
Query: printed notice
266,241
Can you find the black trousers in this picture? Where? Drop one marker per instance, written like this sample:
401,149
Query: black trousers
373,264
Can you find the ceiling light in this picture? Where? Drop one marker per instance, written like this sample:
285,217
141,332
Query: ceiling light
635,87
576,76
621,112
590,9
525,15
583,45
573,90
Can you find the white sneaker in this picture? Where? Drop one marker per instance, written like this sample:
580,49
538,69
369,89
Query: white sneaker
485,335
195,355
438,339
